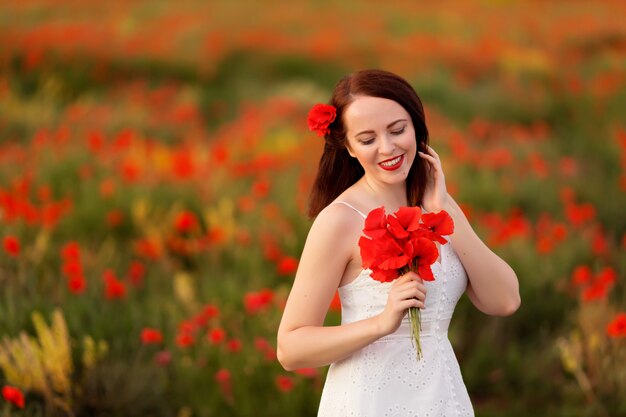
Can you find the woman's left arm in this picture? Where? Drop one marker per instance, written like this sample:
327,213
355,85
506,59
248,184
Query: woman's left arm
493,286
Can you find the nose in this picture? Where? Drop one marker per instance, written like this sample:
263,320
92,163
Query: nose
387,145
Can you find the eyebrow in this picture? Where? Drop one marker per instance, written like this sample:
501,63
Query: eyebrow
388,126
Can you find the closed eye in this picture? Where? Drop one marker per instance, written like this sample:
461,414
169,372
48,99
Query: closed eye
395,132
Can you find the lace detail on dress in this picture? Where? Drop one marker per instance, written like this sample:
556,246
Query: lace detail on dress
385,378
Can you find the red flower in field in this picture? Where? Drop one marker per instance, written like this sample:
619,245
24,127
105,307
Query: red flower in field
599,287
271,251
186,221
307,372
216,336
287,265
220,154
595,291
70,251
151,336
12,245
335,304
607,276
270,355
258,301
163,358
617,328
245,204
147,248
136,271
234,345
96,141
77,284
261,344
222,376
113,287
599,243
114,218
107,188
130,170
182,165
224,380
578,214
184,339
284,383
260,188
13,395
582,275
210,311
72,267
320,117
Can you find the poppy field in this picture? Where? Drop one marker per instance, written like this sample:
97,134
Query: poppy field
155,165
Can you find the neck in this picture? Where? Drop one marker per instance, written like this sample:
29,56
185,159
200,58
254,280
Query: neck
390,196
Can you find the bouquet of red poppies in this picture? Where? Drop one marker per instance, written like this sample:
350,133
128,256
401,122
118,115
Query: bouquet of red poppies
404,241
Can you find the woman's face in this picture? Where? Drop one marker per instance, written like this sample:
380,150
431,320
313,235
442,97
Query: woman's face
380,135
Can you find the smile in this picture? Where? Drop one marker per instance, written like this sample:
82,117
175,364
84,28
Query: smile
392,164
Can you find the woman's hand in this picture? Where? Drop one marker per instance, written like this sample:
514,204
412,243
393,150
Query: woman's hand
435,193
406,291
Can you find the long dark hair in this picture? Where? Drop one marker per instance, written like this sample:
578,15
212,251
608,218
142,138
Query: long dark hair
337,169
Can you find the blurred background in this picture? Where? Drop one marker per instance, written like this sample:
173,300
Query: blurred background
155,165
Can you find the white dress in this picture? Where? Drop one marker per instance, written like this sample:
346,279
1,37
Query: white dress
385,379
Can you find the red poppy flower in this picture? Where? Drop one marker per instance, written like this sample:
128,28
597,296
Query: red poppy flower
582,275
12,245
424,253
113,287
320,117
439,224
258,301
186,221
216,336
77,284
136,271
13,395
234,345
210,311
284,383
617,328
409,218
376,223
287,265
595,291
151,336
184,339
71,250
307,372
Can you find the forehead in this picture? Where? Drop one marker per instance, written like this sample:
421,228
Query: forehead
367,112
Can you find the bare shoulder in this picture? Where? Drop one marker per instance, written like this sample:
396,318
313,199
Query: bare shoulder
338,223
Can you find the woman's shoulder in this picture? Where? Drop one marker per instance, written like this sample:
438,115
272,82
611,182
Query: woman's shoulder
340,216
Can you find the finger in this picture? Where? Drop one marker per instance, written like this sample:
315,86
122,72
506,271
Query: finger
413,285
411,303
430,148
414,276
412,293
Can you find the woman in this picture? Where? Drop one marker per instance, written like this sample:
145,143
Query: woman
376,154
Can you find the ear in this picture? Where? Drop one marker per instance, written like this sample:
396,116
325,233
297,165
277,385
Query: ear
349,149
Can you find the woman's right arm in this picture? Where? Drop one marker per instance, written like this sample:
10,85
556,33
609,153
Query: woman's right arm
303,340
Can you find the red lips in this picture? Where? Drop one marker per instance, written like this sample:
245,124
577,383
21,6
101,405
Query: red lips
392,167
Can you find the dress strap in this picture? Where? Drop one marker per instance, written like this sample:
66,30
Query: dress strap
353,208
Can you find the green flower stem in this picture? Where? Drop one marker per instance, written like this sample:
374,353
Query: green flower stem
416,327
